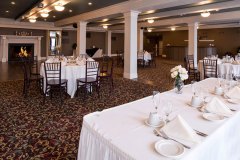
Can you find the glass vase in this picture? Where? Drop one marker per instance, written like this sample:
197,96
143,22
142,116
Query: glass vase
178,84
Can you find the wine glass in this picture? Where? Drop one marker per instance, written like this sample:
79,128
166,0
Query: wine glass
237,77
156,99
167,110
193,87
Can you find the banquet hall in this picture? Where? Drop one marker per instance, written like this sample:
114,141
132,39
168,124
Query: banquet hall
119,79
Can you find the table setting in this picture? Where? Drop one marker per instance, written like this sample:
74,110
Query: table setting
145,55
226,65
168,125
72,68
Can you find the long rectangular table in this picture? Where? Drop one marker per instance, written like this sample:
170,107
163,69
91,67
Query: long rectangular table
120,133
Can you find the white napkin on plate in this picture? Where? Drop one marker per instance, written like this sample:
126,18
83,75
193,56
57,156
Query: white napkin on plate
218,107
234,93
179,129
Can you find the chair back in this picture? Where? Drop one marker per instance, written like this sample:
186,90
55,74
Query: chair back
210,68
26,67
92,70
189,62
53,72
106,66
34,70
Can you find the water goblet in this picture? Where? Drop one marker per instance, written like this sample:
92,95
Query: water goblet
167,110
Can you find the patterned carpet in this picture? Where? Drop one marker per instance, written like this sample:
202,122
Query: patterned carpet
29,130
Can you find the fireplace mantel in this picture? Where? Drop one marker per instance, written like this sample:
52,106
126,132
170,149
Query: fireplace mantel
6,39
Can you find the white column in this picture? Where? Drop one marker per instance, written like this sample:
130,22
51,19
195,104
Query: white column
81,37
4,49
130,45
140,39
192,41
39,56
108,41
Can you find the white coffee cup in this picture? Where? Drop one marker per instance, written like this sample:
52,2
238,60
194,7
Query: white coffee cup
196,101
218,90
153,118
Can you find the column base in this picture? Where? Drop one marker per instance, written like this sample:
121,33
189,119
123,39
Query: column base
4,60
130,76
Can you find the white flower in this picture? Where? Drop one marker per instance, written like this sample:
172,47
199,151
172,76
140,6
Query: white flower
172,75
173,69
183,76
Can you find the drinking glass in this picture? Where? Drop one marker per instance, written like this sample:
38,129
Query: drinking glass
193,87
167,110
156,99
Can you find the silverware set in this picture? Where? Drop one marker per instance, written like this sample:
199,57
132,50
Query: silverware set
163,135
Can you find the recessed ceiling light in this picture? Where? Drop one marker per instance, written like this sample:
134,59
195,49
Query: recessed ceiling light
105,26
32,20
13,3
205,14
44,14
59,7
150,20
173,28
54,16
6,11
105,20
150,11
70,10
149,30
89,3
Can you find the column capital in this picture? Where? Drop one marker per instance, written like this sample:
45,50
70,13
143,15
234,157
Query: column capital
131,13
195,24
82,23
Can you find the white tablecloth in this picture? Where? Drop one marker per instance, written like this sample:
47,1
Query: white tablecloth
71,72
120,133
146,56
223,68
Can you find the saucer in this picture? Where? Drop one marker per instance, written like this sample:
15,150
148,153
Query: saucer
169,148
197,106
212,117
234,101
160,124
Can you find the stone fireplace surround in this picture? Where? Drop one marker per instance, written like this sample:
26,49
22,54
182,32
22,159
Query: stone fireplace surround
6,39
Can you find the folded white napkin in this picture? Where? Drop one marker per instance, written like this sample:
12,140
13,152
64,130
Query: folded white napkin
179,129
81,62
218,107
234,93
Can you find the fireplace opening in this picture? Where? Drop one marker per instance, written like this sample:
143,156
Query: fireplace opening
15,48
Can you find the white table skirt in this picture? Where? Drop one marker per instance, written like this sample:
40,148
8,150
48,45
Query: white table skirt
223,68
71,72
119,133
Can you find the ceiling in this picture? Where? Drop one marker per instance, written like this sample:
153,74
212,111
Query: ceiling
14,11
77,7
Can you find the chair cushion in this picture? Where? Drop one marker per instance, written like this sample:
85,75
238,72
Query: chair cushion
89,80
56,82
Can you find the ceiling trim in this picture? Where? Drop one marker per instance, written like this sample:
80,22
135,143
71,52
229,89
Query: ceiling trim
10,23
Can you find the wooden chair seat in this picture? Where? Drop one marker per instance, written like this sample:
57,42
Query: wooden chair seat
56,82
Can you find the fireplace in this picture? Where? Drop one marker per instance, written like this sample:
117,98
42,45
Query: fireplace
15,48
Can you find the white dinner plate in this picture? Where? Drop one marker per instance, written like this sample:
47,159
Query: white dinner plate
234,101
212,117
169,148
160,124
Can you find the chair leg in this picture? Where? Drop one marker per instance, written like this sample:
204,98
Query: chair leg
60,90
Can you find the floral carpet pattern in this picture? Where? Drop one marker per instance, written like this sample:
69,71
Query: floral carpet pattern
30,130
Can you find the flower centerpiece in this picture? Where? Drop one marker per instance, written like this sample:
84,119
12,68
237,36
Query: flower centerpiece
23,53
180,74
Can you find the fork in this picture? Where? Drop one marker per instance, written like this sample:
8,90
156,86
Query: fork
163,135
